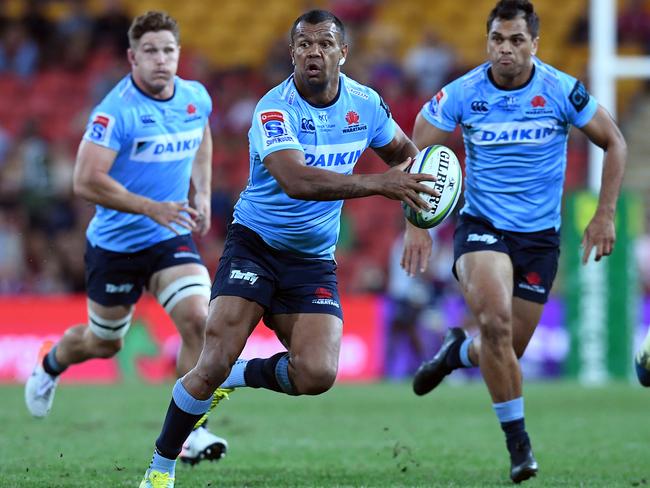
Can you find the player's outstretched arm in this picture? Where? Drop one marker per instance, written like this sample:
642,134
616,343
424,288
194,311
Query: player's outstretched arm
304,182
92,182
601,232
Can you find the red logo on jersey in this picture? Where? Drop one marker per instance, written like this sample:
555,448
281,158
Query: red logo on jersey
191,109
538,101
101,120
439,96
533,278
271,115
323,293
352,117
184,249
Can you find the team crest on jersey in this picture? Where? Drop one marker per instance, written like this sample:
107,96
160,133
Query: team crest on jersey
538,106
101,127
354,123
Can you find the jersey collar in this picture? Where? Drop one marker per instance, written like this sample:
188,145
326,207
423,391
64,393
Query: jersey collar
334,100
498,87
149,96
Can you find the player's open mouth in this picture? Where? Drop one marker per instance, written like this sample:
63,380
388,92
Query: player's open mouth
313,69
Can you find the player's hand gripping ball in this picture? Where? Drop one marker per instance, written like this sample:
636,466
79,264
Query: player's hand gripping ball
441,162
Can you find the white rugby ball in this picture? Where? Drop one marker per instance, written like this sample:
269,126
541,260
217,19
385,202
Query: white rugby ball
441,162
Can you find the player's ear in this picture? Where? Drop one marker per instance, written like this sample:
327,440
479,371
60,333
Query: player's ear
533,51
344,54
130,55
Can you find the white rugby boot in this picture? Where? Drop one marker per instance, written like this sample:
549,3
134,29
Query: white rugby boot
202,445
39,392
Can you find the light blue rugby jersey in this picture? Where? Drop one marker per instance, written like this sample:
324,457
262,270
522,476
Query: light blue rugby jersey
156,142
331,137
515,142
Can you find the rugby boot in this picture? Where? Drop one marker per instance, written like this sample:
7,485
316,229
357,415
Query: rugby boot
522,462
642,367
431,373
202,445
157,479
40,387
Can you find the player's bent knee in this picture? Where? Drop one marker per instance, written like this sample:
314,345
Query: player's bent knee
496,336
109,329
191,327
312,380
184,287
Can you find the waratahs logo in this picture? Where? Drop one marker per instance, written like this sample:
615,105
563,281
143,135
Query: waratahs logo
538,101
352,117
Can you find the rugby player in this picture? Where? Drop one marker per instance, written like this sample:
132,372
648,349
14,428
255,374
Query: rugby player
278,263
515,113
144,144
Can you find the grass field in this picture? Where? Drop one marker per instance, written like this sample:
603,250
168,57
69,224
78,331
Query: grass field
356,435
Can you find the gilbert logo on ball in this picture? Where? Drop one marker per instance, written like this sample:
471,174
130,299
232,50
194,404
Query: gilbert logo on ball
441,162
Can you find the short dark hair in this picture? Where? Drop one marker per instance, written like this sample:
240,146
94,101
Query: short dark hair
510,9
152,21
316,17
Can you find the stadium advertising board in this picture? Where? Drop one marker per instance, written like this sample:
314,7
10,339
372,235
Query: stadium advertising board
151,344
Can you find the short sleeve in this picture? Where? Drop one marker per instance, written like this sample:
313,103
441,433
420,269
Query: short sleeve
107,127
274,128
444,110
385,126
579,105
206,100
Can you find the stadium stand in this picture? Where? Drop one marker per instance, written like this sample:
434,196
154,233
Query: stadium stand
230,48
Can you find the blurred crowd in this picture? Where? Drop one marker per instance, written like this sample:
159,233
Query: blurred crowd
52,72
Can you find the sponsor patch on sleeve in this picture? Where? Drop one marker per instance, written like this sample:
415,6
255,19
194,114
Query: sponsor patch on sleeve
101,127
434,103
274,127
579,96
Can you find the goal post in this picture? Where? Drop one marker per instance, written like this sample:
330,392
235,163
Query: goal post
602,299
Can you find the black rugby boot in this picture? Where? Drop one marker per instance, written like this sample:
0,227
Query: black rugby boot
431,373
522,462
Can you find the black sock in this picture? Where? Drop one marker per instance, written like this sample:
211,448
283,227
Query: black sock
51,365
516,436
178,425
260,373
